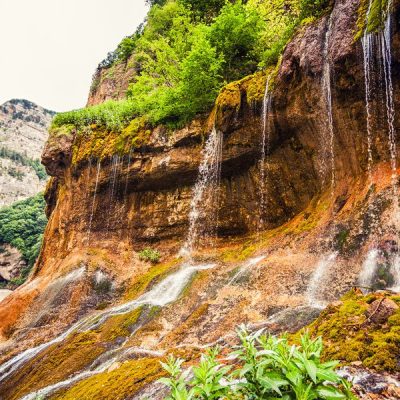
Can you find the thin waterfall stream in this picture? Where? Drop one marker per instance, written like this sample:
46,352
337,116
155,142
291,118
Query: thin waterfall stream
318,277
94,201
203,213
377,57
326,88
265,143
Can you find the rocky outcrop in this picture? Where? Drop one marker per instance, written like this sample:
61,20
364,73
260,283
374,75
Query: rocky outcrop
111,82
113,194
11,263
23,133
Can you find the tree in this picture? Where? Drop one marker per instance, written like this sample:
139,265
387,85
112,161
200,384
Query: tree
235,33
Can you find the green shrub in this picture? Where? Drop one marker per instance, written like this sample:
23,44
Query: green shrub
266,367
150,255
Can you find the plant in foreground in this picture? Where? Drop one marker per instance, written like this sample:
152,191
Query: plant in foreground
265,367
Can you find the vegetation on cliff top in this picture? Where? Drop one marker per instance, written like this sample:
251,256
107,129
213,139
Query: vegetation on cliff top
22,225
188,49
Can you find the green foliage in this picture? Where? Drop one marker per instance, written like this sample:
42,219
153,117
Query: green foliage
204,9
111,114
22,226
312,8
150,255
25,161
266,367
235,33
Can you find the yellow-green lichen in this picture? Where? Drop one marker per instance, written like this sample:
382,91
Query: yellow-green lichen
117,384
55,364
143,281
371,16
349,334
99,142
119,326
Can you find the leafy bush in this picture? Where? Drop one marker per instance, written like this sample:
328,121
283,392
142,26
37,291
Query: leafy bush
111,114
204,9
235,33
22,225
266,367
150,255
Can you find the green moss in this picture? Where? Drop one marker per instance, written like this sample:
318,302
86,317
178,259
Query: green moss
349,335
64,130
373,21
63,359
118,384
99,142
229,97
192,320
119,326
143,281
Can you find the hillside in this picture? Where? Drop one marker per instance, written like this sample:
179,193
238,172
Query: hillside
23,133
237,166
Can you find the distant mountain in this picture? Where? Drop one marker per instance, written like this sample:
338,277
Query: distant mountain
23,132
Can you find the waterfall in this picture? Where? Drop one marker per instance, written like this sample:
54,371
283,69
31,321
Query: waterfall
385,41
163,293
250,263
204,205
326,88
265,139
114,170
94,201
313,293
377,54
396,273
369,268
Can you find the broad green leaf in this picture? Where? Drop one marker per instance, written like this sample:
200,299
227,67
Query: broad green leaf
330,393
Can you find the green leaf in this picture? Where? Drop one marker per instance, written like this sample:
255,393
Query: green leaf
311,369
330,393
327,375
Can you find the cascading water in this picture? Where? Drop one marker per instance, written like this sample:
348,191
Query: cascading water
377,71
94,201
369,268
313,293
319,276
167,291
202,221
265,139
203,208
326,88
251,263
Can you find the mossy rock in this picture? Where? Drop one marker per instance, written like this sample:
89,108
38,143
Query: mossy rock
351,333
374,20
118,384
99,143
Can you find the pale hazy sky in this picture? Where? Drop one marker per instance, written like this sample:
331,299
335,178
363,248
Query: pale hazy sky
50,48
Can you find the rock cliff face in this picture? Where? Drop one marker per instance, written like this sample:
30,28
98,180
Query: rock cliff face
23,133
111,82
107,201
